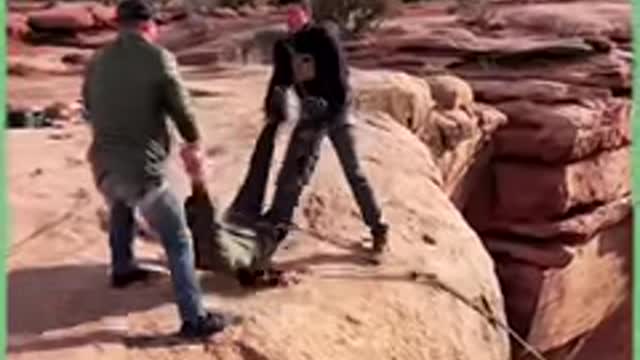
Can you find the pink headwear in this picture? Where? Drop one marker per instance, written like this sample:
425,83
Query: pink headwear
297,17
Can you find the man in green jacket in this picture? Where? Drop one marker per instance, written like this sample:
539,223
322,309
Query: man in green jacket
132,87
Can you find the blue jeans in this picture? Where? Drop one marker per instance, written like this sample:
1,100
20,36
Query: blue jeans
165,215
121,235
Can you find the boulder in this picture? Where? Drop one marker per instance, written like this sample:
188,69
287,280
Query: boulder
455,133
450,92
466,148
405,98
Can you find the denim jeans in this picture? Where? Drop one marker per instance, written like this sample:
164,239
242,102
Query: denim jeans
164,213
300,161
121,235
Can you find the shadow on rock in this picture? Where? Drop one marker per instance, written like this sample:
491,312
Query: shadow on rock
52,298
43,300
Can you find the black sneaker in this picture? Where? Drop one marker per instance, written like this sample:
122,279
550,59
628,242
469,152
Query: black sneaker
210,324
120,281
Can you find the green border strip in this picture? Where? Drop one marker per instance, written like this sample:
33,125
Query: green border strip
635,118
635,156
4,206
4,209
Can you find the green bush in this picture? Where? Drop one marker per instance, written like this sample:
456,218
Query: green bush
354,16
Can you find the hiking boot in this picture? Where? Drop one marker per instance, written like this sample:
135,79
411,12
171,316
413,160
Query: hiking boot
266,278
210,324
380,238
268,243
137,275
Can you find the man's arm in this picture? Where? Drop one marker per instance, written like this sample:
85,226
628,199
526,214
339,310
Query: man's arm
281,79
86,89
176,99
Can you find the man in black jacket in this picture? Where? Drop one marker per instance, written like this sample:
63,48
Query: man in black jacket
311,61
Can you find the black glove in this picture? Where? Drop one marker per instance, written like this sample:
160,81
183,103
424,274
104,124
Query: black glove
277,107
314,107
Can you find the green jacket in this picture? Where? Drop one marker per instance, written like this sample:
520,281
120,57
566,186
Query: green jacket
130,90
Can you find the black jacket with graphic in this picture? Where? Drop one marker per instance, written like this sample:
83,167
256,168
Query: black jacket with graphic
332,74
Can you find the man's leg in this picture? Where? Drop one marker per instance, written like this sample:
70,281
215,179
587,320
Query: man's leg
121,235
124,270
343,141
246,208
166,216
299,163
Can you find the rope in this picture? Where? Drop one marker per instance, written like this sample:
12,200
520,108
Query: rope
432,279
49,226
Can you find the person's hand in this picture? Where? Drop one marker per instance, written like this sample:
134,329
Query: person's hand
193,160
314,107
277,111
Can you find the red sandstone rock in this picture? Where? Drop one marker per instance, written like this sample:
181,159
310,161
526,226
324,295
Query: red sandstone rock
552,308
605,18
527,191
538,91
68,17
104,16
612,337
542,255
198,58
461,41
17,25
563,132
225,13
83,40
520,283
610,70
575,300
578,228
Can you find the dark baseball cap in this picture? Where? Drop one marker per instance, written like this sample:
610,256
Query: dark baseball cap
135,10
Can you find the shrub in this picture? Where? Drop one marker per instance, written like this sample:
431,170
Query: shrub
354,16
